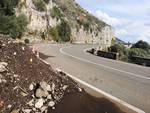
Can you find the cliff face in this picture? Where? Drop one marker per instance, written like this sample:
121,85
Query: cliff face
85,28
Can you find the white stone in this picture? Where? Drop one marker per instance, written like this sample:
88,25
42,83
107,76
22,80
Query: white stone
31,87
51,103
65,87
49,97
41,93
45,86
27,111
3,66
39,103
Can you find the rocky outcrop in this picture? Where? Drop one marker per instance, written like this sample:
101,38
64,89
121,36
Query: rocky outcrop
40,21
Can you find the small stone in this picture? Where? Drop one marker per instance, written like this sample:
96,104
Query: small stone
31,87
15,111
65,87
41,93
31,60
3,66
30,103
23,48
15,75
39,103
43,109
53,87
49,97
27,111
15,53
80,90
45,86
51,103
1,104
9,106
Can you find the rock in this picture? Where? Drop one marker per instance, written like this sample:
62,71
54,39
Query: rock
15,111
65,87
31,87
53,87
39,103
15,75
43,109
27,111
41,93
9,106
51,103
30,103
15,53
3,66
49,97
1,104
45,86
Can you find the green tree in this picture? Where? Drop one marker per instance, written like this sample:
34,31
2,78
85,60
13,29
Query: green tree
142,45
13,26
64,31
7,7
54,33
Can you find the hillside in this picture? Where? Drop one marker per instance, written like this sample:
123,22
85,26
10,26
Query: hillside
62,20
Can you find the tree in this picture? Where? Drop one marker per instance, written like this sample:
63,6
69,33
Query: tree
13,26
142,45
64,31
54,33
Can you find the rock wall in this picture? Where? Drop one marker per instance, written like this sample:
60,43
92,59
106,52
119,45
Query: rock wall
40,21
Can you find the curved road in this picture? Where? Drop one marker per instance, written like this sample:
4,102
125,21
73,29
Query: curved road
128,82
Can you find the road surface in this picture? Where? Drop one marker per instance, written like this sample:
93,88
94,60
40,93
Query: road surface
128,82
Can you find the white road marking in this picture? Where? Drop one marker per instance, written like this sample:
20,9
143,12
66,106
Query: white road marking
108,67
103,93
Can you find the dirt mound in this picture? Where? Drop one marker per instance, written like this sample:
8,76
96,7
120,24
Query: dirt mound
24,77
28,85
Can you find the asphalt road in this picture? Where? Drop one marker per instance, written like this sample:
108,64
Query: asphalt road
128,82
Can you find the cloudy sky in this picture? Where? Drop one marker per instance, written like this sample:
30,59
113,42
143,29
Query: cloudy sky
130,18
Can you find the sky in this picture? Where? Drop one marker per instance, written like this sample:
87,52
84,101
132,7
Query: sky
129,18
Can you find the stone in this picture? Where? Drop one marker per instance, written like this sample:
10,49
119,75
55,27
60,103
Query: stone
51,103
45,86
65,87
15,111
27,111
3,66
39,103
31,87
41,93
30,103
49,97
53,87
15,53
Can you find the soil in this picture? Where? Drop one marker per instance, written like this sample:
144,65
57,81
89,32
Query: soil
82,102
24,70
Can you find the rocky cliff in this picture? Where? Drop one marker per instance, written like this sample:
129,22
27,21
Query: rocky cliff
85,28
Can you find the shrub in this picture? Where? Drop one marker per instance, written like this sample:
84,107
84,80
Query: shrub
13,26
54,33
64,31
142,45
40,5
7,7
56,13
137,52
